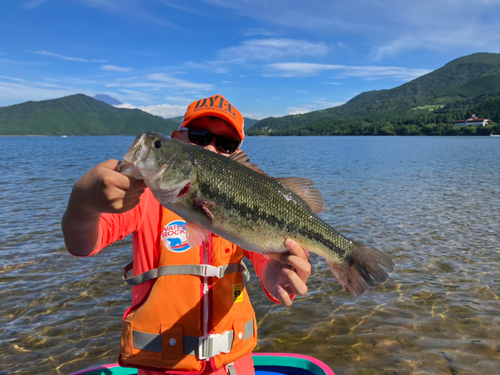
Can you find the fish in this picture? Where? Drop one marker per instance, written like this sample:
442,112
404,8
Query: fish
233,198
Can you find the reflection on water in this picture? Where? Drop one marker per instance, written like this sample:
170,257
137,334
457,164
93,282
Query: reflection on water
430,203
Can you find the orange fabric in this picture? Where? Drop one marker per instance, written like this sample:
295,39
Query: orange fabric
143,222
217,106
177,300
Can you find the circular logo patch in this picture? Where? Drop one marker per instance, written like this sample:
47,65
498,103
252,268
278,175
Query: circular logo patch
174,238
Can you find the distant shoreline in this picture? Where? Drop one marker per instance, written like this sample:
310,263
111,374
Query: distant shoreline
67,136
274,136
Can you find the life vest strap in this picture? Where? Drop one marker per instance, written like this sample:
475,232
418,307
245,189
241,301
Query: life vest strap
204,347
230,369
185,269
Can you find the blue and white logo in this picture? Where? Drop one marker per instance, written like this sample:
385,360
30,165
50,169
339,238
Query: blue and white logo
174,238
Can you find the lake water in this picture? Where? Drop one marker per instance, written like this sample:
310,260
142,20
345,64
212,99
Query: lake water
431,203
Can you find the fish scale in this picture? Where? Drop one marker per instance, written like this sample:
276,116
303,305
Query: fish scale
266,202
230,197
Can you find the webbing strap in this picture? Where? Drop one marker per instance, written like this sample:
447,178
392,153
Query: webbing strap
231,370
203,347
185,269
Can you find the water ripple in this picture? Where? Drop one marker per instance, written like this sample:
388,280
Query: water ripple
430,203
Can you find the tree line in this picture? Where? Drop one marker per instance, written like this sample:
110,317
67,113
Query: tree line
413,122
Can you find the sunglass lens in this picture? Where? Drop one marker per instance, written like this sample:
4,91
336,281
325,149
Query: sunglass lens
203,137
200,137
226,145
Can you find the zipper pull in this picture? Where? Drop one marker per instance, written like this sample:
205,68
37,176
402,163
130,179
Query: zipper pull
205,288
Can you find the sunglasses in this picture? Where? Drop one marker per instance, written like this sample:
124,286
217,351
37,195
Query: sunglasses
203,137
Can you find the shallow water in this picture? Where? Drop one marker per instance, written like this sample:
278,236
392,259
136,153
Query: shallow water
431,203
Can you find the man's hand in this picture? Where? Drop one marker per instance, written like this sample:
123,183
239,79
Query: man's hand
287,273
102,189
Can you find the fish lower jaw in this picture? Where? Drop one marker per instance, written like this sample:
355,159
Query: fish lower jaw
165,196
171,195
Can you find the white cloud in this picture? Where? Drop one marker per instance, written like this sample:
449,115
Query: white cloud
355,16
324,103
315,105
179,100
130,9
301,69
49,85
390,26
136,96
376,72
68,58
168,81
472,35
257,31
163,80
272,48
13,79
115,68
297,110
249,115
13,93
366,72
32,4
163,110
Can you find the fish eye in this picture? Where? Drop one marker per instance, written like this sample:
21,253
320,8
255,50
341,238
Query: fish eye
157,143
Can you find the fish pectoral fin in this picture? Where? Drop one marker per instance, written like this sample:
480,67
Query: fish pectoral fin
303,188
203,205
195,234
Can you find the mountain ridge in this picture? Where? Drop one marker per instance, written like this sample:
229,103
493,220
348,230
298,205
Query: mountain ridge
77,115
465,77
107,99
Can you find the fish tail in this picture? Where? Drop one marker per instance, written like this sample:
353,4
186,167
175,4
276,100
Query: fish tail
364,268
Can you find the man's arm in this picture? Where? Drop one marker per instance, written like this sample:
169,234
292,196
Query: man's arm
100,190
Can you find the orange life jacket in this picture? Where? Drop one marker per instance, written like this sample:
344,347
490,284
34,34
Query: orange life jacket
197,313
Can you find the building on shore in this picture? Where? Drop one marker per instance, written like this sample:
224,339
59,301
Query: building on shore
472,121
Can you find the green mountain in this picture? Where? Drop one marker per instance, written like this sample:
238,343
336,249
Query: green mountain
453,89
78,115
249,122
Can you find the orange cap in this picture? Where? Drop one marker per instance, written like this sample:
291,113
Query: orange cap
216,106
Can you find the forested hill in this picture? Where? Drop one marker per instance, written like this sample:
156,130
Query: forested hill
453,90
78,115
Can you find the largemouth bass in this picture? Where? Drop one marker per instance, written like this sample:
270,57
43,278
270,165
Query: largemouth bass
232,198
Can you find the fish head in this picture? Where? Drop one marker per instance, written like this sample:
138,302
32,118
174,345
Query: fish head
161,162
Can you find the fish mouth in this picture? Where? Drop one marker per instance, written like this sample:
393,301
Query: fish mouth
137,152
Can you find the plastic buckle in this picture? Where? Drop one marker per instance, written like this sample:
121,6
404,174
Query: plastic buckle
211,345
210,271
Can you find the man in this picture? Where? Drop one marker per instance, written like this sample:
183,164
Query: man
193,319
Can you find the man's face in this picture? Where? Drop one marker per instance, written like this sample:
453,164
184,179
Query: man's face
213,125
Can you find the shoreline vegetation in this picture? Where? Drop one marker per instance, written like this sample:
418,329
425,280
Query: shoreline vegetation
275,135
412,121
428,105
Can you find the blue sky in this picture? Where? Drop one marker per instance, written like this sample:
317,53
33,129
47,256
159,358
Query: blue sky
267,57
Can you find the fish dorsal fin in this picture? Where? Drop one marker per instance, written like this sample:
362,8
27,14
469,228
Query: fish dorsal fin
300,186
303,188
242,158
195,234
